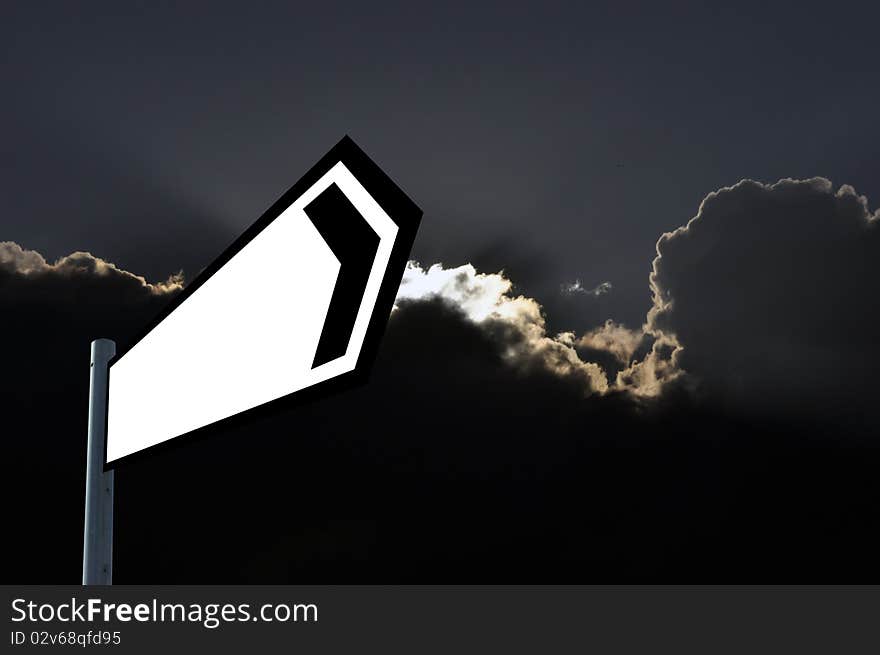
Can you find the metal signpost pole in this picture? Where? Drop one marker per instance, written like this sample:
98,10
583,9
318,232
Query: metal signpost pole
98,533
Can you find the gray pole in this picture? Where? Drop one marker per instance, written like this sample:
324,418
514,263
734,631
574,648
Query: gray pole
98,533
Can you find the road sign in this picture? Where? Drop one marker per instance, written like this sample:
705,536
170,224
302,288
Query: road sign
294,307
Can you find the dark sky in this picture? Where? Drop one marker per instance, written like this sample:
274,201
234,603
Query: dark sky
554,140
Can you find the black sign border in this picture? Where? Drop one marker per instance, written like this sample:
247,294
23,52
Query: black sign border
403,211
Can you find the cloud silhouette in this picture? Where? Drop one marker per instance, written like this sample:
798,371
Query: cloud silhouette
26,274
516,322
480,433
772,292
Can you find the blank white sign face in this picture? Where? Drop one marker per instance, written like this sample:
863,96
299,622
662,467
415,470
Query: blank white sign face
290,308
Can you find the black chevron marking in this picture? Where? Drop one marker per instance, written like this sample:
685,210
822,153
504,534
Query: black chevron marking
354,243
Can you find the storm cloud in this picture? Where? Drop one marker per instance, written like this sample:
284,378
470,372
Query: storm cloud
80,277
483,438
772,292
769,297
515,322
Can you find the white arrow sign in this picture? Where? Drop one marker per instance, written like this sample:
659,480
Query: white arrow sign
298,301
